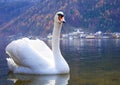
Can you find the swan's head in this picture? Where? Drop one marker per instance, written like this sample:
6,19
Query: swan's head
59,17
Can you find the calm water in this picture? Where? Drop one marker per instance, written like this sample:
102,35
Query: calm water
91,61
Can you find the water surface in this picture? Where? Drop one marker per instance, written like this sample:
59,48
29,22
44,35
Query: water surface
91,61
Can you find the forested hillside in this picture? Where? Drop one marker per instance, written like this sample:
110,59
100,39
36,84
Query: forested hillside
35,17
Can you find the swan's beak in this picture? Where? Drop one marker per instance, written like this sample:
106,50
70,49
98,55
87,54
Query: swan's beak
63,20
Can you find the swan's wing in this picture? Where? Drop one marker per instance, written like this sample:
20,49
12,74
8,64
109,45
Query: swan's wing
27,53
42,48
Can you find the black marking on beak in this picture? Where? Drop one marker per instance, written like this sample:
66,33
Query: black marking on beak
60,15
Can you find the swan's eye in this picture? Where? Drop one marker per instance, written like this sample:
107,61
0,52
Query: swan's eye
60,17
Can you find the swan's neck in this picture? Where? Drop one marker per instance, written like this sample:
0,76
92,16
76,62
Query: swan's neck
56,39
61,64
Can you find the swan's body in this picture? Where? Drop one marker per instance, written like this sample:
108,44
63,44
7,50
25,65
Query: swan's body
35,57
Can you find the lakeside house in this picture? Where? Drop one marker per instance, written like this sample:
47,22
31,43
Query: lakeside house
80,34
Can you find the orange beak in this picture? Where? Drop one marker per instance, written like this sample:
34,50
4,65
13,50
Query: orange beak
62,19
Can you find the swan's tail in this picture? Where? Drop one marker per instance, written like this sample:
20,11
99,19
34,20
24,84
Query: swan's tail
11,64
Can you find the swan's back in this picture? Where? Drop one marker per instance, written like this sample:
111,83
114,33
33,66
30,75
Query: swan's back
30,53
41,47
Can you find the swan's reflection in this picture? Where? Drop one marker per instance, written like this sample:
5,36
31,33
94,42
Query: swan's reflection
39,80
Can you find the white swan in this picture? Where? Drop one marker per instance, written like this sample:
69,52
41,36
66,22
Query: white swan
35,57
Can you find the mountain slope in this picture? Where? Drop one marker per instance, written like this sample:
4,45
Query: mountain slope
36,18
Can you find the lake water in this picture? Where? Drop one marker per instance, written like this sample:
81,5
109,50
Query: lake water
91,61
